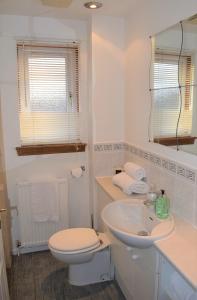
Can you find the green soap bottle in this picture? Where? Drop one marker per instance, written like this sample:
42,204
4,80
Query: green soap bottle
162,206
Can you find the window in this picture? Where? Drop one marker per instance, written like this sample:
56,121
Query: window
48,82
166,95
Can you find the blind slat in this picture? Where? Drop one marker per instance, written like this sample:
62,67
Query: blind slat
48,80
166,95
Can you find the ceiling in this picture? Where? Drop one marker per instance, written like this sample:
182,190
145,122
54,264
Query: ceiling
119,8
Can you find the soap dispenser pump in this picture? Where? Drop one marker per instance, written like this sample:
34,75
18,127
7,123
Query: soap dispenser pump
162,206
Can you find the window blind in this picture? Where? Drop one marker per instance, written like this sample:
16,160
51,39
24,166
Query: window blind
48,83
166,95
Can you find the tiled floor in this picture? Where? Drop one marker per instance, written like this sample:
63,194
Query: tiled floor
39,276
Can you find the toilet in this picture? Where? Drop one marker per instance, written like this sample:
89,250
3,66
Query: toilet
86,252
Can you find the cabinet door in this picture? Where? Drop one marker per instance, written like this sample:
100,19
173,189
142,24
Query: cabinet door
171,283
135,270
4,294
145,273
124,267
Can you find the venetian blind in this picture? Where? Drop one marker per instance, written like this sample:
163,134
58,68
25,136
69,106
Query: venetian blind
48,82
166,95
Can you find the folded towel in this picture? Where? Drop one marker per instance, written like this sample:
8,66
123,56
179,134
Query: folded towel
129,185
178,289
134,170
44,201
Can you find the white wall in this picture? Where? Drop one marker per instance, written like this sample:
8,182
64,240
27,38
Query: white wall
107,78
148,18
108,43
21,168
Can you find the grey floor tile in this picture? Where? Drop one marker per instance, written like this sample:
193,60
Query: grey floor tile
39,276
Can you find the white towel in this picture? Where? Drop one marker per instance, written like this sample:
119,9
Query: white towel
44,201
134,170
129,185
178,289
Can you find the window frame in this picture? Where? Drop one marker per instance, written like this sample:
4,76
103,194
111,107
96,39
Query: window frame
182,139
65,147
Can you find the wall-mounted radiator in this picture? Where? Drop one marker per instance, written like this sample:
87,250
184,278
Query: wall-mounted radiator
42,210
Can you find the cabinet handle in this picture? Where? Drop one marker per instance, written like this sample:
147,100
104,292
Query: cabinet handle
3,210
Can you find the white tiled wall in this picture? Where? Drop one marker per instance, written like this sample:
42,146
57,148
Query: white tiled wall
107,157
177,180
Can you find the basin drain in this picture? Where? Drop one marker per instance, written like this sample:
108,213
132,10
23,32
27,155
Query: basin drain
143,233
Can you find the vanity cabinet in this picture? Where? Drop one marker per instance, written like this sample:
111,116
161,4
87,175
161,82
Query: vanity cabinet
135,269
145,274
172,285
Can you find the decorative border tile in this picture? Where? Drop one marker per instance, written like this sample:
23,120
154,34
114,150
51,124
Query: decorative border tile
118,147
172,167
191,175
107,147
98,147
152,158
167,165
181,171
146,155
187,173
157,161
110,147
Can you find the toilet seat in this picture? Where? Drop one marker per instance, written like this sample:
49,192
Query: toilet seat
74,240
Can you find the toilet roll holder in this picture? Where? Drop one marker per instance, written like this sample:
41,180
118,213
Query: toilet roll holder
82,170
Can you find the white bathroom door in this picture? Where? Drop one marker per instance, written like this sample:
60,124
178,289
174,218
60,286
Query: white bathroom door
4,293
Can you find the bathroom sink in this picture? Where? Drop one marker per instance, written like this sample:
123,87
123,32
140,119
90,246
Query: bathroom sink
135,224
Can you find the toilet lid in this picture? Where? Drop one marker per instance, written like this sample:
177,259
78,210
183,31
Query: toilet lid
74,239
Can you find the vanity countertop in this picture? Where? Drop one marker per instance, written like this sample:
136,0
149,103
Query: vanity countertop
113,191
180,248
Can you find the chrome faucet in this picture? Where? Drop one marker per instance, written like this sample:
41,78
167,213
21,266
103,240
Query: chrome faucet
151,197
149,202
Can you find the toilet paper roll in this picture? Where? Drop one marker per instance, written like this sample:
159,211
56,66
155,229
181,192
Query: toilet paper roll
77,172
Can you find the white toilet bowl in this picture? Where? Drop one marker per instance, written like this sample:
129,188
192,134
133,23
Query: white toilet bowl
86,253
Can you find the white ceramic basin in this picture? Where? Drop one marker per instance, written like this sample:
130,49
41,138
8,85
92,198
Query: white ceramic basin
135,224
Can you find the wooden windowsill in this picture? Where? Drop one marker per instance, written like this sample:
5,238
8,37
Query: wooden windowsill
50,149
172,141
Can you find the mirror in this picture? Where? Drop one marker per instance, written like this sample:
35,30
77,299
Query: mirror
173,85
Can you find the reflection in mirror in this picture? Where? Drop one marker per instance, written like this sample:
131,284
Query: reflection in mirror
173,86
